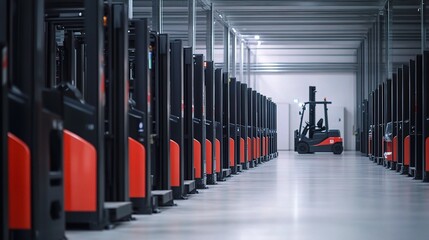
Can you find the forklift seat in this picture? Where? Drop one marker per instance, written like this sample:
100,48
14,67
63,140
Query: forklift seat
320,126
320,123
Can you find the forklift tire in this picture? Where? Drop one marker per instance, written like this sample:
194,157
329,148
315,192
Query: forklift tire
302,148
337,148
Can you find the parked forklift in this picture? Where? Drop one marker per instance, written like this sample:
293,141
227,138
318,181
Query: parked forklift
315,137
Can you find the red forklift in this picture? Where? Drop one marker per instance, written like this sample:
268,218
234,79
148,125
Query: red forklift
315,137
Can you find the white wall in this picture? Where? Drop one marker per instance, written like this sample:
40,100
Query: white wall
340,88
283,126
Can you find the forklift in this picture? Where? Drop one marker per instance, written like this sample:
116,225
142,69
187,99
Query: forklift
316,137
4,225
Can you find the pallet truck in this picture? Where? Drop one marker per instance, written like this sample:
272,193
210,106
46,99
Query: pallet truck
181,187
199,121
251,129
189,111
222,172
211,160
403,119
4,187
388,129
139,117
255,131
176,121
425,107
416,118
75,42
228,153
258,128
234,133
317,138
244,123
35,174
160,115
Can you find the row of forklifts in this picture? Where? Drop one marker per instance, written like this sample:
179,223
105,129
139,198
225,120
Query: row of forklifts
102,119
398,114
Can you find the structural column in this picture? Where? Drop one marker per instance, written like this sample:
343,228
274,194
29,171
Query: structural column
191,24
233,55
157,15
242,60
210,33
226,43
423,25
248,65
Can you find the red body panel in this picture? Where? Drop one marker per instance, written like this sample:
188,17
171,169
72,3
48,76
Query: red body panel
263,146
218,158
137,169
242,160
249,149
258,147
266,146
80,174
19,160
197,158
330,141
395,149
174,164
209,159
407,152
254,154
231,152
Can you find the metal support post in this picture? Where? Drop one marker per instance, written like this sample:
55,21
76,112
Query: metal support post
242,60
233,55
210,33
157,15
191,24
226,43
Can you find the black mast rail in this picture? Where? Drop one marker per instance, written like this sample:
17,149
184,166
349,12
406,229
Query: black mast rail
211,160
4,187
199,123
139,119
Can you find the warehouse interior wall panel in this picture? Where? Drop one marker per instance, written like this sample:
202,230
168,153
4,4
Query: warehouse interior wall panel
336,87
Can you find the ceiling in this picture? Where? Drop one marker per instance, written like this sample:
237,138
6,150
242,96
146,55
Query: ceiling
289,29
279,22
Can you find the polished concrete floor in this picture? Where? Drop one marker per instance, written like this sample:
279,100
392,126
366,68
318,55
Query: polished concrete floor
317,197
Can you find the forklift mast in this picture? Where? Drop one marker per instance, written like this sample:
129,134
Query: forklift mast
312,108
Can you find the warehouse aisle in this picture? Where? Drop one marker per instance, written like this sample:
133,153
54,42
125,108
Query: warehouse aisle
318,196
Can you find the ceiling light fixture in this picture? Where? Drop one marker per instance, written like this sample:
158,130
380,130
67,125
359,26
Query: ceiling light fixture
235,31
257,37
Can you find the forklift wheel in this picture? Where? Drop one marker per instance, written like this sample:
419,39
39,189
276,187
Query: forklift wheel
302,148
337,148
